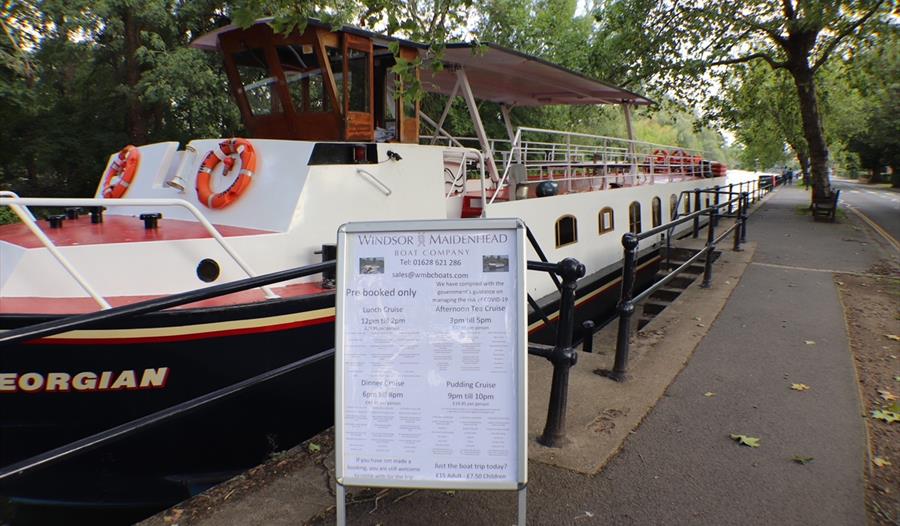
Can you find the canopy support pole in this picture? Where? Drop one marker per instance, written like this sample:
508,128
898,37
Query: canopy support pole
515,155
440,122
626,108
463,81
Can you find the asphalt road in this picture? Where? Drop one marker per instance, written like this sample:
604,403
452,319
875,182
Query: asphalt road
881,205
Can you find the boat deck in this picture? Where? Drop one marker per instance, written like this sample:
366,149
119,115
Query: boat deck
116,229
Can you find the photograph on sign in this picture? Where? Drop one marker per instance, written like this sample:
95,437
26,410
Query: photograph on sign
430,343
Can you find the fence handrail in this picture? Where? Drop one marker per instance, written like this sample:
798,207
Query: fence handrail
94,202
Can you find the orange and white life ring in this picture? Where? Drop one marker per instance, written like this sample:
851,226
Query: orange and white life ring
226,152
660,156
121,172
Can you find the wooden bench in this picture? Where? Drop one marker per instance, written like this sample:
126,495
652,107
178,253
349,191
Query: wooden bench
825,208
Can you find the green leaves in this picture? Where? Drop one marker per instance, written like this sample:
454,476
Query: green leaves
885,415
745,440
801,459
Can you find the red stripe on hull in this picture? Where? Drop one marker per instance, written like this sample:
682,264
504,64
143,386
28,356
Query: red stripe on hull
67,306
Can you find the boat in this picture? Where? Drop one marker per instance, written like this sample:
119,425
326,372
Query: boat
330,142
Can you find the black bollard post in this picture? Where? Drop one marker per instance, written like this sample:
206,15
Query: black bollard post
696,232
625,307
710,248
730,193
715,218
744,214
738,223
563,356
587,336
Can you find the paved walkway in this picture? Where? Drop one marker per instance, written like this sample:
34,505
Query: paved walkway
680,466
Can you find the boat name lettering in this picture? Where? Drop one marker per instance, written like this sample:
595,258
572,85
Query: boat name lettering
84,381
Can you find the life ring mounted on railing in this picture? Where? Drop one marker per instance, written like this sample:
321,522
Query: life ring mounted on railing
121,172
226,153
660,156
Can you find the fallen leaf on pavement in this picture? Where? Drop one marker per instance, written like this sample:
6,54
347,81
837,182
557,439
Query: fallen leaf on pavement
809,342
314,448
881,462
709,394
799,387
886,395
892,337
888,416
744,440
802,460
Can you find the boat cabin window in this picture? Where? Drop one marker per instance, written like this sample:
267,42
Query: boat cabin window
358,77
656,208
605,220
687,204
673,206
304,77
259,86
634,218
566,231
319,85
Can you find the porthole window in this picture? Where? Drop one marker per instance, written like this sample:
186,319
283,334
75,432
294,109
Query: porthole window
656,208
605,220
566,231
673,206
634,218
208,270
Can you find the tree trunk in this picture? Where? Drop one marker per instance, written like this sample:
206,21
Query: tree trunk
812,129
803,158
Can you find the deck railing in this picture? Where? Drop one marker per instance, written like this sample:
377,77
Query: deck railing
19,206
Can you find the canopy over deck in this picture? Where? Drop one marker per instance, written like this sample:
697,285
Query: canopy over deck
495,73
512,78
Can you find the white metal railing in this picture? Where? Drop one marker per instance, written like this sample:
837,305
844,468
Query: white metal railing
461,155
18,206
580,156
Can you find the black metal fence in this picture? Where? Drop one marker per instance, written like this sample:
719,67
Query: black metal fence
738,209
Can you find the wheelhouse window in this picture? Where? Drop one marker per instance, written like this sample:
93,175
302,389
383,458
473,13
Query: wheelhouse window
605,220
656,208
634,218
673,206
358,73
566,231
336,61
259,85
687,204
305,80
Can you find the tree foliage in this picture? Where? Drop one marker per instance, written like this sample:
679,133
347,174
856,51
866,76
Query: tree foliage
696,38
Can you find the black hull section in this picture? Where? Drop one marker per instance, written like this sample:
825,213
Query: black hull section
181,456
158,467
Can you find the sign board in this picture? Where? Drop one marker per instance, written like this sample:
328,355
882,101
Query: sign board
430,346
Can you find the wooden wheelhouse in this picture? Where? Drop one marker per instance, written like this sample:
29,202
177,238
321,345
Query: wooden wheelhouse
318,85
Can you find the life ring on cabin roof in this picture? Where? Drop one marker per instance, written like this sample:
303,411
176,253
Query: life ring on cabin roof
225,153
660,156
121,172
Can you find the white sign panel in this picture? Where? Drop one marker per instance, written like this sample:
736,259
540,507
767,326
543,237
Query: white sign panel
430,347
